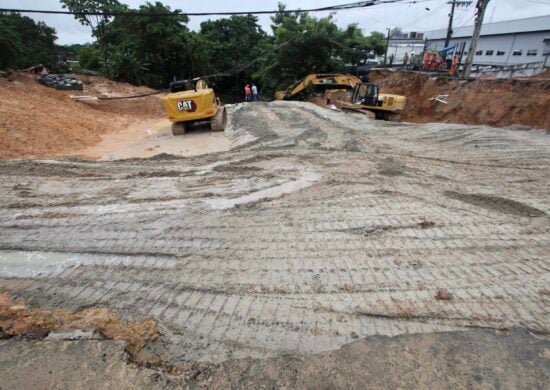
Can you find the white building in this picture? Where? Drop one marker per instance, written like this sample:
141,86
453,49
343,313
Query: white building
520,41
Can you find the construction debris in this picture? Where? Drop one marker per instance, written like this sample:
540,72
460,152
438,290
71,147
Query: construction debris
61,81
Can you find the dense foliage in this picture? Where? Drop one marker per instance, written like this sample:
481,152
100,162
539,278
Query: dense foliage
24,42
154,50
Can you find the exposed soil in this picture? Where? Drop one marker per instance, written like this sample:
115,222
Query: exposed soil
36,121
501,102
16,319
258,265
475,359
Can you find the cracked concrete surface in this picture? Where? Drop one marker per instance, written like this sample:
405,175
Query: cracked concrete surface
319,228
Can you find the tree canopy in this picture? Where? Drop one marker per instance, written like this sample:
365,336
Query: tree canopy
154,50
24,42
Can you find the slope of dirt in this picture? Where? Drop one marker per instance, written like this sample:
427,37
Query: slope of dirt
500,102
37,121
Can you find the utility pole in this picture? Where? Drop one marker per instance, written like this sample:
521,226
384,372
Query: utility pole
480,14
453,3
387,46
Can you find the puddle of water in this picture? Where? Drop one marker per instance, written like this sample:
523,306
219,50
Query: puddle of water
306,180
20,264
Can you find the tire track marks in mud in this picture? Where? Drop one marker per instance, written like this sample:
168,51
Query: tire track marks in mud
391,214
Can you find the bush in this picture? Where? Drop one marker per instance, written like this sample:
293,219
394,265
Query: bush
24,42
89,57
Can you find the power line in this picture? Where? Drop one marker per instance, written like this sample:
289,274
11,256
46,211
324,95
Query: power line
341,7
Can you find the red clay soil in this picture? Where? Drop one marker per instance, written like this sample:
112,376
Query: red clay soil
16,319
498,102
37,121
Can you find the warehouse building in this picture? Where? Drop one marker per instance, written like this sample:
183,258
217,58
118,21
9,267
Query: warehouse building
512,42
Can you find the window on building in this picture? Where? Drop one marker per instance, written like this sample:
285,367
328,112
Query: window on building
532,52
517,52
500,52
489,52
479,53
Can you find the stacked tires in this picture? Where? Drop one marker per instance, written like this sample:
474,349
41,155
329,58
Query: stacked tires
62,82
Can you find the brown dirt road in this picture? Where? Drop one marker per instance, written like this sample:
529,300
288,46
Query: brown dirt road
319,228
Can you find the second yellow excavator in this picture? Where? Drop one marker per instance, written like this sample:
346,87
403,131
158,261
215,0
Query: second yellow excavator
364,96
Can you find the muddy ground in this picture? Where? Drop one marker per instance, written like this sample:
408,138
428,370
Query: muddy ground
37,121
318,228
474,359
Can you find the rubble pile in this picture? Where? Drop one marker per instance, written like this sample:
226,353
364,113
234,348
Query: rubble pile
61,81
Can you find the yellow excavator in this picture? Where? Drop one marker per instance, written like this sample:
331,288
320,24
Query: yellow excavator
384,105
318,83
364,96
191,101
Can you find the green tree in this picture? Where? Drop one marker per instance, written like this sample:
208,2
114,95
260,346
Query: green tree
232,41
125,65
24,42
229,43
83,10
161,42
89,57
302,44
376,41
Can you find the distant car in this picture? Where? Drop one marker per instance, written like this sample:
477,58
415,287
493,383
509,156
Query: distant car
373,61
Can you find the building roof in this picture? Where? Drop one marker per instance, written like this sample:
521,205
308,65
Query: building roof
537,23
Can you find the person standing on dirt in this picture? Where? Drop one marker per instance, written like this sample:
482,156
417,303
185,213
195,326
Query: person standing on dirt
405,60
392,57
255,96
454,66
247,93
426,62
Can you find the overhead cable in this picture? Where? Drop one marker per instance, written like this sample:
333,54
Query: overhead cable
333,8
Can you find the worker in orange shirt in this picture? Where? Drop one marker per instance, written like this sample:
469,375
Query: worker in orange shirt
454,66
426,61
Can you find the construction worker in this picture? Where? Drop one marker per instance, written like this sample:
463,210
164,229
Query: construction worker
247,93
454,66
405,60
255,96
426,61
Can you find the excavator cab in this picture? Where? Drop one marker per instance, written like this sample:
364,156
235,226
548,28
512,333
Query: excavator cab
367,94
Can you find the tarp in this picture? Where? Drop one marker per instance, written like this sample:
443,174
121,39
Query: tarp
448,48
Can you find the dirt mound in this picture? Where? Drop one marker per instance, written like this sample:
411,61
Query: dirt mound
500,102
36,121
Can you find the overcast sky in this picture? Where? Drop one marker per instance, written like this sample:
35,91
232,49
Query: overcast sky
425,15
